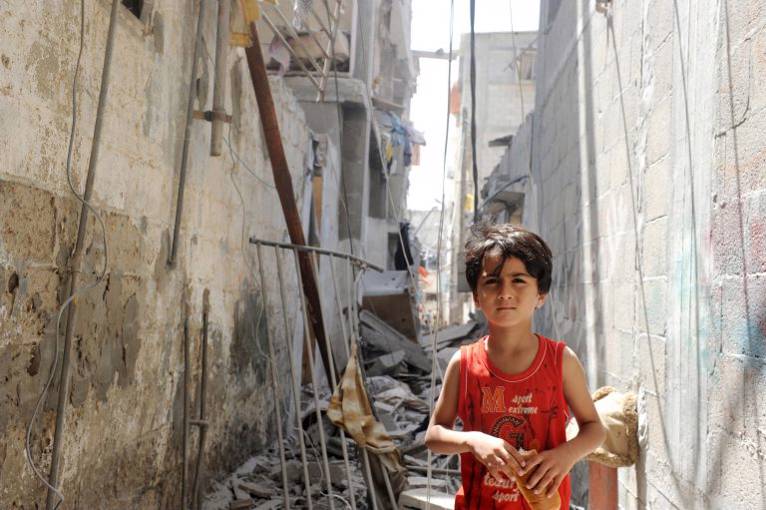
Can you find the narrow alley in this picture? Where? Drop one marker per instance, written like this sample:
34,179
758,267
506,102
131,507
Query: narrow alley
245,248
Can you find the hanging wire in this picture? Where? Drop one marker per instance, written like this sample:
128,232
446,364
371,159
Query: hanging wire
76,292
474,162
435,323
516,61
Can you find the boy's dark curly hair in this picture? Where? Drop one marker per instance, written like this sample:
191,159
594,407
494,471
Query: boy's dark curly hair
510,241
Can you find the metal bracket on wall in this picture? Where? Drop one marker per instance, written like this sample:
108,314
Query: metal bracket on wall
209,116
603,6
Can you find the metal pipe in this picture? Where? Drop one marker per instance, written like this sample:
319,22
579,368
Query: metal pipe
330,47
360,364
219,87
202,421
438,471
284,184
320,428
354,259
321,23
352,337
340,308
274,383
185,434
187,136
370,482
334,384
293,379
76,260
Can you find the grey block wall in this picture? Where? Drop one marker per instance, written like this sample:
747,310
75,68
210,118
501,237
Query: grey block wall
648,179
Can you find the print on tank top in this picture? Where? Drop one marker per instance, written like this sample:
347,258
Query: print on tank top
527,410
512,424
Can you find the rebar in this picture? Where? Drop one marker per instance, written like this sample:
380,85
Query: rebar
310,351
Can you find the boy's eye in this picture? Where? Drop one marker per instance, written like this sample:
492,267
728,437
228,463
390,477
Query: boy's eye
519,280
490,281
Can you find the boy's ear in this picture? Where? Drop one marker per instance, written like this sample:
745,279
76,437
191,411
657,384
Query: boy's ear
476,300
541,300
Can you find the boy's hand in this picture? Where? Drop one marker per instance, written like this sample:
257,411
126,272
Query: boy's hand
500,458
548,470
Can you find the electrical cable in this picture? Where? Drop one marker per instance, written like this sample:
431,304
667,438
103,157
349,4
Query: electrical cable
474,163
435,323
338,107
516,61
76,292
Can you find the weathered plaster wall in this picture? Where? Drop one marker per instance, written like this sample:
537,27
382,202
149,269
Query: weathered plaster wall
122,442
647,179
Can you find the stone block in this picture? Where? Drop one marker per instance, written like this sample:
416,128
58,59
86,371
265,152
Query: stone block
652,306
740,470
664,59
661,21
758,71
657,189
652,356
742,167
743,308
734,84
655,248
659,136
755,233
624,305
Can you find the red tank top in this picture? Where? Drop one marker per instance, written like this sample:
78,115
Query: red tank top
528,410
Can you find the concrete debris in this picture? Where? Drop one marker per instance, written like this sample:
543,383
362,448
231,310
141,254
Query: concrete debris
418,499
451,335
257,484
391,296
379,339
398,393
387,363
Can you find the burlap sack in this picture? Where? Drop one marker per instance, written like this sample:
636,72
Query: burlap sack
619,415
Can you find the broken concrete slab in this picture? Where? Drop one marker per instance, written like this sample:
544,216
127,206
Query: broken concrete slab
259,490
390,296
386,364
449,335
419,499
241,504
385,338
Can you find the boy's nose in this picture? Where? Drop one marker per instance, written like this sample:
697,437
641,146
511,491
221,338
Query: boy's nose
505,292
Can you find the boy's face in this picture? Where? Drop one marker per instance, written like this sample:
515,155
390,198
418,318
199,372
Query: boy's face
508,296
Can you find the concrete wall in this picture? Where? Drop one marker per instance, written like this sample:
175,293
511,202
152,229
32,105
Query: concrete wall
122,441
501,101
647,179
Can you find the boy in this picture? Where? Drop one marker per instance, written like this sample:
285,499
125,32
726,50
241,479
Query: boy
511,389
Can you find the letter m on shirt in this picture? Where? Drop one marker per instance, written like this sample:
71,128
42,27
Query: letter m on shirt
492,399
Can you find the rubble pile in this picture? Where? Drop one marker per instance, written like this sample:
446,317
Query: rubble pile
399,382
397,377
257,484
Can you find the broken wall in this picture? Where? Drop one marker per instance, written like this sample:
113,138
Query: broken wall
122,442
647,180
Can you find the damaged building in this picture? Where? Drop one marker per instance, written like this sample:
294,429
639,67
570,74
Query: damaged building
152,123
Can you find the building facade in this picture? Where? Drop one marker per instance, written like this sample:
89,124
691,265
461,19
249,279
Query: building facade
642,167
122,442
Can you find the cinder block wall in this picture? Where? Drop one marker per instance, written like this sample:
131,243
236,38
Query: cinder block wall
123,432
648,178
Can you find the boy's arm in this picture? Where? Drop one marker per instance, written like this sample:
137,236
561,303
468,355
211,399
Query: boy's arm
497,455
555,464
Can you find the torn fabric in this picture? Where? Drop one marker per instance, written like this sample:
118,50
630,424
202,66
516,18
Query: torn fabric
350,409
